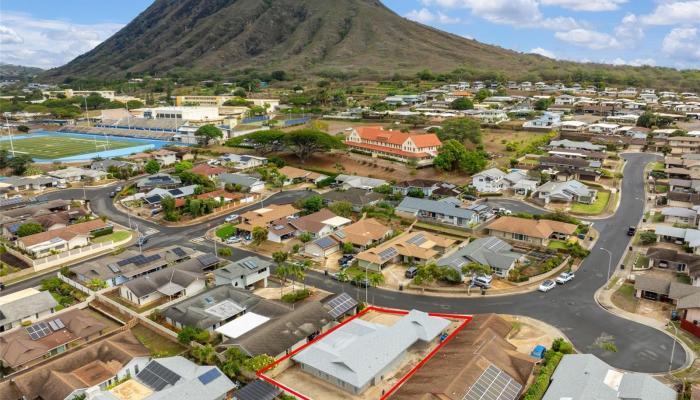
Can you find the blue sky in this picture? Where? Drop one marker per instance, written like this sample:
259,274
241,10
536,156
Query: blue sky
637,32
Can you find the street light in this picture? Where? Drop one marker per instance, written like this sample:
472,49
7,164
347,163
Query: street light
673,349
609,261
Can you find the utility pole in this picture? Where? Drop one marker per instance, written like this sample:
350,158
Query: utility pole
9,132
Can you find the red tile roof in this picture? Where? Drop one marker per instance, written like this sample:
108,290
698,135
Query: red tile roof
375,147
207,170
377,133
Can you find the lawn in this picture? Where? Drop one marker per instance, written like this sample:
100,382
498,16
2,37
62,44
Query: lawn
155,343
226,231
53,147
557,245
592,209
624,298
658,166
117,236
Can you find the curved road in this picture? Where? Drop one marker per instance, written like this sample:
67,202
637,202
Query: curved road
571,308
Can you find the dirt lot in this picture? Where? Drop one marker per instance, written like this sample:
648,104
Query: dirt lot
495,143
528,333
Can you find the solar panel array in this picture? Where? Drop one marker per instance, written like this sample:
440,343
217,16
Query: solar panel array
341,304
138,260
388,254
38,330
179,252
56,324
340,234
209,376
494,384
157,376
176,192
325,242
114,268
417,240
208,259
250,264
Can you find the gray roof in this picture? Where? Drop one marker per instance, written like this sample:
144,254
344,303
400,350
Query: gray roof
586,377
355,196
566,190
156,180
247,266
196,381
168,281
362,182
26,306
104,165
493,173
678,212
238,179
257,390
652,284
414,205
490,251
360,350
690,236
193,311
132,263
570,144
25,180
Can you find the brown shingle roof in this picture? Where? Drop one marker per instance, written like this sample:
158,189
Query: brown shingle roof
542,229
364,231
313,222
66,233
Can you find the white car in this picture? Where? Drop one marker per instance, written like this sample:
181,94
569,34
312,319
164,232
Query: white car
232,218
503,211
233,239
565,277
547,285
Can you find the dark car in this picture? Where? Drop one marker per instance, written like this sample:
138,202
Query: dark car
363,283
469,197
631,231
142,240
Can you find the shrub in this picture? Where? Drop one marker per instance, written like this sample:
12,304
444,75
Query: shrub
296,295
190,333
647,237
225,252
539,387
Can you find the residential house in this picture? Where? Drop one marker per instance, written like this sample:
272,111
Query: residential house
684,144
682,236
164,157
97,365
564,100
687,200
164,285
405,147
37,183
574,145
59,240
562,169
167,378
249,272
603,128
411,248
361,182
531,231
490,251
360,354
297,175
243,161
359,198
680,215
446,211
114,270
520,182
674,260
489,181
322,247
75,174
275,218
364,233
248,183
573,126
162,180
427,186
548,120
107,164
25,305
581,376
23,347
566,192
154,197
257,390
209,171
582,154
319,224
474,355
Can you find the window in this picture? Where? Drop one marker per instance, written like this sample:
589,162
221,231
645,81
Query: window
519,236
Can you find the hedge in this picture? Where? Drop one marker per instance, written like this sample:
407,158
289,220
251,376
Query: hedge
539,387
295,296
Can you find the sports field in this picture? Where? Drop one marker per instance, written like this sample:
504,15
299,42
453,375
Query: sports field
55,147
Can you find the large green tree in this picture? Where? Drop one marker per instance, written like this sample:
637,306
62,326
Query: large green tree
29,228
305,142
461,129
453,156
152,167
208,133
265,141
462,103
20,163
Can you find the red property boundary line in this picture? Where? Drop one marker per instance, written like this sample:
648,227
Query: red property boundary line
466,319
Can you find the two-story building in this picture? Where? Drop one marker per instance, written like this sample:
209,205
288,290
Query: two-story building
420,148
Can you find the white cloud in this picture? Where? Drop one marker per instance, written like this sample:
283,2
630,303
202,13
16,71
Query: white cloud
517,13
637,62
48,42
588,38
672,13
8,35
629,30
543,52
426,16
586,5
682,44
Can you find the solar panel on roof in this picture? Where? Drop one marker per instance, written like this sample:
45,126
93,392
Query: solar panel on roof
157,376
387,254
340,234
417,240
250,264
208,260
53,325
176,192
38,330
179,252
59,323
114,268
325,242
209,376
153,199
341,304
494,384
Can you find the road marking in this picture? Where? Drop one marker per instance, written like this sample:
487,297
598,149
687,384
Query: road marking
197,240
150,231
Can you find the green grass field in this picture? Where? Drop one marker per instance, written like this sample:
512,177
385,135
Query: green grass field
52,147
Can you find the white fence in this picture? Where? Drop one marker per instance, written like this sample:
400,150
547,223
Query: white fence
75,284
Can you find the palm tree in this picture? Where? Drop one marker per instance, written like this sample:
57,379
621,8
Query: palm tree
376,279
282,272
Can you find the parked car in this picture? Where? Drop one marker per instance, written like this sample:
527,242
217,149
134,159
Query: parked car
233,239
483,281
112,194
503,211
631,231
118,189
547,285
363,283
337,276
142,240
232,218
411,272
564,277
469,197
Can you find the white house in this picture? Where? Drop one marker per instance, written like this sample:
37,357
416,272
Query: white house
573,126
565,100
566,192
242,161
250,272
169,283
603,128
548,120
489,181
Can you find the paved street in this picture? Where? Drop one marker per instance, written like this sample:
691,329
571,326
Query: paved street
571,308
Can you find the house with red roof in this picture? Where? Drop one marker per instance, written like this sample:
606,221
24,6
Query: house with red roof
401,146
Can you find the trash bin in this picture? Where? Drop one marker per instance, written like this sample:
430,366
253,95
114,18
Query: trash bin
400,287
622,266
325,272
483,291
